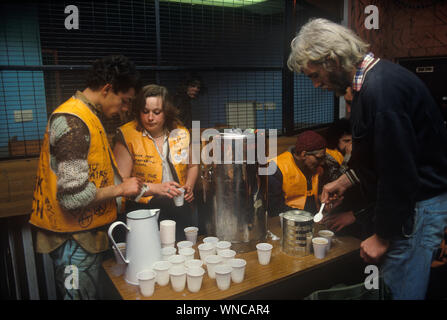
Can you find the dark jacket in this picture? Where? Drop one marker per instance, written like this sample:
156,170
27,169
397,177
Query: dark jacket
399,147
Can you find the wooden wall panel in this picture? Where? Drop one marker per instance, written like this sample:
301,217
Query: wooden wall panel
406,28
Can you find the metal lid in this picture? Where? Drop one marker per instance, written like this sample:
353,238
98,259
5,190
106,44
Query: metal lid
297,215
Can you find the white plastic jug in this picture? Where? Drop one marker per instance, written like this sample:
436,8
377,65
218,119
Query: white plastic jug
143,246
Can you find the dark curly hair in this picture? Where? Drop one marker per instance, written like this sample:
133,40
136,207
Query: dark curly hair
191,79
339,128
116,70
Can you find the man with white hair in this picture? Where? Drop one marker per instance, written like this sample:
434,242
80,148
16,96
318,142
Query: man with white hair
399,151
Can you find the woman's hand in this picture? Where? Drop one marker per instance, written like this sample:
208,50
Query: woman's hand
166,189
189,193
130,187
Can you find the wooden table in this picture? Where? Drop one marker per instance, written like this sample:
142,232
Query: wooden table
286,277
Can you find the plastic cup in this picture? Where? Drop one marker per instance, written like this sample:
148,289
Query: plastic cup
264,253
188,253
180,200
177,260
222,245
223,276
177,276
194,277
146,281
193,263
226,255
143,190
167,232
212,261
238,272
168,245
320,244
205,249
168,252
184,244
191,234
213,240
161,269
122,247
328,234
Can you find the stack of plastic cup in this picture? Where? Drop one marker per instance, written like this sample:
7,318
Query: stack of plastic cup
167,233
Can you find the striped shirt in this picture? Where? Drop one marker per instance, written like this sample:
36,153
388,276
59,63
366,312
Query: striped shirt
368,62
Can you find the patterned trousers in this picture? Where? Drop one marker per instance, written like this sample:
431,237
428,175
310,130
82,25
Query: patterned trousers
76,271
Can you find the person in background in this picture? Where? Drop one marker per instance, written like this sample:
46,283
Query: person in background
399,154
77,182
156,148
295,184
338,151
186,93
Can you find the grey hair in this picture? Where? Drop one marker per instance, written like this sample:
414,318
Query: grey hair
321,41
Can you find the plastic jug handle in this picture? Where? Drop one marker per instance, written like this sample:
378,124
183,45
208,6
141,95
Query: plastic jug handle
112,226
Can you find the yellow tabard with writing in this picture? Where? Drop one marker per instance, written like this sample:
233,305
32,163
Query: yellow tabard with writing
336,155
147,163
294,183
47,213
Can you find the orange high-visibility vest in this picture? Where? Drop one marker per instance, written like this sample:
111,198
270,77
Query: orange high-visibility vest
147,163
47,213
336,155
294,183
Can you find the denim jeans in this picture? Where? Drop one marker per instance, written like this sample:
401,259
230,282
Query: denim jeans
76,271
406,265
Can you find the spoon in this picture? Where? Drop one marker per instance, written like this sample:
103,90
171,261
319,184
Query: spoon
319,215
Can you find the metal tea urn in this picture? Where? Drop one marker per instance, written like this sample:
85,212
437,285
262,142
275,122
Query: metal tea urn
234,200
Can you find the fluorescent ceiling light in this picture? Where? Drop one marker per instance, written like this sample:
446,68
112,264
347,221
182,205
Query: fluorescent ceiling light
219,3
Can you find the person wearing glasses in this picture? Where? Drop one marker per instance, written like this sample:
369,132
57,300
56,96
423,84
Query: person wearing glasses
294,185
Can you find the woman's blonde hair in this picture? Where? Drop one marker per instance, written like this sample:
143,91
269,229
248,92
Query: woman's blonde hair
321,41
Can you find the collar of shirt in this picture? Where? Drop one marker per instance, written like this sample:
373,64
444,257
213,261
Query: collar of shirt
147,134
368,62
95,108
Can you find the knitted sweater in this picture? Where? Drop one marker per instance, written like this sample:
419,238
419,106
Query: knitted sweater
399,149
